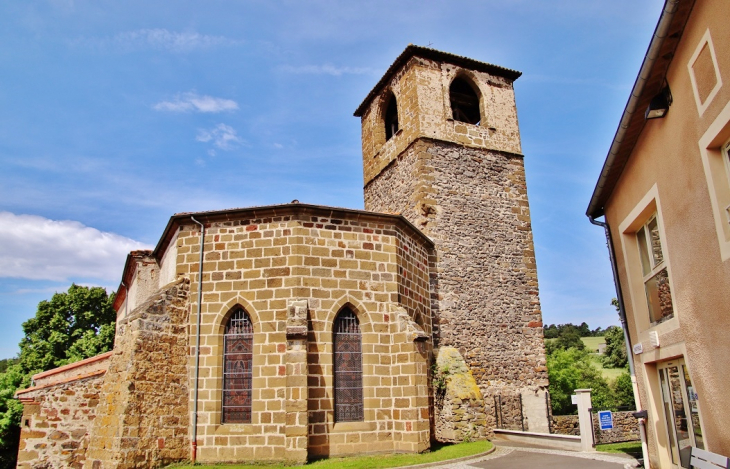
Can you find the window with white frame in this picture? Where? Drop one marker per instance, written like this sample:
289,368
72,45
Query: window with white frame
654,271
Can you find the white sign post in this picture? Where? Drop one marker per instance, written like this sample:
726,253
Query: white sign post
585,419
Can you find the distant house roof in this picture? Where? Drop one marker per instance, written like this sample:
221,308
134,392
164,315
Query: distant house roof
427,53
649,83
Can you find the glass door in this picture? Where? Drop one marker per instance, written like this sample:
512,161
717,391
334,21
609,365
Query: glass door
681,411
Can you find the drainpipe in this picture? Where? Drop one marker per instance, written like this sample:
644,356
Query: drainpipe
197,342
627,339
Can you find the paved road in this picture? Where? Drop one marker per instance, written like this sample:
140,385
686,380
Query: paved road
533,458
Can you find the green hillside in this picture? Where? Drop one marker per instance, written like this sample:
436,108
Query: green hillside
592,343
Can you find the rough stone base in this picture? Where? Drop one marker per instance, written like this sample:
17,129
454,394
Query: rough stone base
459,404
142,420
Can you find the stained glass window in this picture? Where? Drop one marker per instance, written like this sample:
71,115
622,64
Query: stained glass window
237,368
348,367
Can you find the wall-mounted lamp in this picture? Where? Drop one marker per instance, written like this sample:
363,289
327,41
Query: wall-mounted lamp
659,105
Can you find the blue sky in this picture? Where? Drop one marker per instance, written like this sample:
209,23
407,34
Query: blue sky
115,115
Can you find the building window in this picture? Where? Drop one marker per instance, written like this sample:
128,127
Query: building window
464,101
654,271
348,367
391,117
237,368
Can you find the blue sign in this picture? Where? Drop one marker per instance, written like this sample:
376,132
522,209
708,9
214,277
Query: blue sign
605,418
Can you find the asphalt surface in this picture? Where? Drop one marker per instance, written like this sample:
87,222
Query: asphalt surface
505,457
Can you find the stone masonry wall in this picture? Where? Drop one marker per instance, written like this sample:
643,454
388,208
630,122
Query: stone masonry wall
143,418
56,422
473,204
421,88
320,261
625,427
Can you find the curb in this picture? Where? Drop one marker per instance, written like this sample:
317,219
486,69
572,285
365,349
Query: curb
448,461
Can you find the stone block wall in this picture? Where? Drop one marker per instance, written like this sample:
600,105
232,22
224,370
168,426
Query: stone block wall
56,422
473,204
325,260
143,417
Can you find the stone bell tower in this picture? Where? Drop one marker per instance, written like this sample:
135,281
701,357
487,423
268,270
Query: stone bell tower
441,146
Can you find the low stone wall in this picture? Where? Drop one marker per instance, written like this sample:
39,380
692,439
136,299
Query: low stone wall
566,425
58,413
625,427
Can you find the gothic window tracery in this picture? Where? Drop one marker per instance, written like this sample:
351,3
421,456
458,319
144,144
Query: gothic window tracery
237,368
348,367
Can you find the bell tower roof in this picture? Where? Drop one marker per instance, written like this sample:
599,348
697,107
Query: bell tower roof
438,56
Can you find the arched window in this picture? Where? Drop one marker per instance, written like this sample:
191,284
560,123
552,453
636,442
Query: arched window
391,117
464,101
237,368
348,367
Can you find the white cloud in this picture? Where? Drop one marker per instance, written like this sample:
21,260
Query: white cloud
158,38
37,248
190,101
327,69
223,136
169,40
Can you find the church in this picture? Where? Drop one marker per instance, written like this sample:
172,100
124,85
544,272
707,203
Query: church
294,332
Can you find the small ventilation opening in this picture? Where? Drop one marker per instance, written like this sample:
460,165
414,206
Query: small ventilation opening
391,118
464,102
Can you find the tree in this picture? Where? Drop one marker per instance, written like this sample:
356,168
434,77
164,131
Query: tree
623,391
569,370
570,338
615,354
71,326
550,332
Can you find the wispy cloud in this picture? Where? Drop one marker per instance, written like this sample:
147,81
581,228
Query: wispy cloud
158,38
37,248
223,136
192,102
327,69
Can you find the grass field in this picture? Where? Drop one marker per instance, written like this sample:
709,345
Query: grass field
592,343
609,373
382,461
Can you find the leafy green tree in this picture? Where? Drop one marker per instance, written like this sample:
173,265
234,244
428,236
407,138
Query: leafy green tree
623,391
569,370
71,326
615,354
550,332
6,363
570,338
